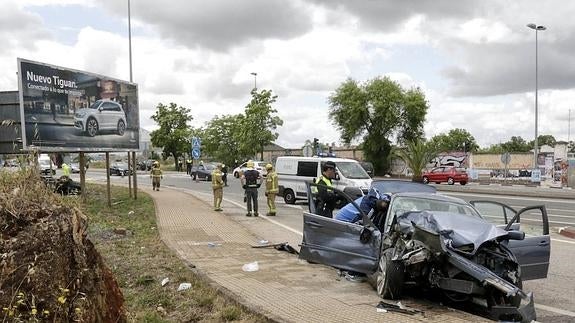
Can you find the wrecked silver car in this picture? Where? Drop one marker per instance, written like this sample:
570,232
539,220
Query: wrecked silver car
473,251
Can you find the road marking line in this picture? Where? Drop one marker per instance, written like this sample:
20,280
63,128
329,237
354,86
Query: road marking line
554,310
507,197
244,207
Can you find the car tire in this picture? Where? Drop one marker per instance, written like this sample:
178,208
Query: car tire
289,197
236,175
425,180
463,183
389,276
92,127
450,181
121,128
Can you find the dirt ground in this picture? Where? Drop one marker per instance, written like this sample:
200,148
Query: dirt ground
49,270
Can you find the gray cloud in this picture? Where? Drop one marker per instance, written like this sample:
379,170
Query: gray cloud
219,24
20,29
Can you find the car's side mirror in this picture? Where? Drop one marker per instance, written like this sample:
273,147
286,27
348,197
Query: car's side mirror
515,235
337,178
100,109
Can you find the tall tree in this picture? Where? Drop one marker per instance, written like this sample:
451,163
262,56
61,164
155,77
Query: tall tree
455,140
516,145
174,132
548,140
220,138
258,126
376,112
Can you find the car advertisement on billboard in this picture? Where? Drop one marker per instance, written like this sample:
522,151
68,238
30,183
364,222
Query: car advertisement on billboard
69,110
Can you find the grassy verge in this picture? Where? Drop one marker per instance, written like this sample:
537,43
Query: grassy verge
140,261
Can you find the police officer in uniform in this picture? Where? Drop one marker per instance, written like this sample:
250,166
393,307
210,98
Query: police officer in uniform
251,181
325,197
271,189
218,187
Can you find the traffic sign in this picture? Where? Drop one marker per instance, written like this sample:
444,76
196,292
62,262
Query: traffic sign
196,142
196,153
506,158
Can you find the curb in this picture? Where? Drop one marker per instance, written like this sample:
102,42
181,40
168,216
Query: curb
568,232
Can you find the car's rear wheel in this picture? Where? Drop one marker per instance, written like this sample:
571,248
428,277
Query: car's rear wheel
289,197
236,175
425,180
463,183
389,277
92,127
450,181
121,127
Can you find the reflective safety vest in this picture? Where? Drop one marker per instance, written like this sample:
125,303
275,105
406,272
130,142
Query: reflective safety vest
66,170
322,180
272,182
156,172
217,181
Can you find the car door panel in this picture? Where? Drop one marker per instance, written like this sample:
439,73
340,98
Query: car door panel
534,251
337,243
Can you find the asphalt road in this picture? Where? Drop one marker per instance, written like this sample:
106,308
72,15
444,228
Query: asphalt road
554,296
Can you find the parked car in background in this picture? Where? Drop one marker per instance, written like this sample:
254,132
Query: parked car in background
101,115
75,168
203,172
120,169
46,167
260,166
443,174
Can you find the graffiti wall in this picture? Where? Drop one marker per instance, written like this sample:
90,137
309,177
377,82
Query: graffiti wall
454,158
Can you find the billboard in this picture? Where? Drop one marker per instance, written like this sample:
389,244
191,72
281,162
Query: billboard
68,110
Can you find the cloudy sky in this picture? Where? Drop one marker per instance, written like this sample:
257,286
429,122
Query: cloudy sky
474,60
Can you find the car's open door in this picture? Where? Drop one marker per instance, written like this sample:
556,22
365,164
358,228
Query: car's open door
349,246
534,251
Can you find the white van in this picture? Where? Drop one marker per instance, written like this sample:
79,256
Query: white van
294,172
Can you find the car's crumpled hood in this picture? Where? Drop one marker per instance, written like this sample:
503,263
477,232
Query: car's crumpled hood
460,229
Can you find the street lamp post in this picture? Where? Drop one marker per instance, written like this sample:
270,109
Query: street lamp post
536,28
255,80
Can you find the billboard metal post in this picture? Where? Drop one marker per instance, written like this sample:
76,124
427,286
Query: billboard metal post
130,175
108,179
135,175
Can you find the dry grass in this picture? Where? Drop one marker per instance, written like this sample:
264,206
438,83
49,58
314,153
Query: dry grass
140,261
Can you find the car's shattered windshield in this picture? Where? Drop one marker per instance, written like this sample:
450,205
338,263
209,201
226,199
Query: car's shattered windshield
404,204
352,170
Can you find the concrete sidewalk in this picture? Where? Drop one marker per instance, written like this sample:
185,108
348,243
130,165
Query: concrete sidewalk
284,288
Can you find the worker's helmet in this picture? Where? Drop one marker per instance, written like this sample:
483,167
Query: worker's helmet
269,167
250,164
220,166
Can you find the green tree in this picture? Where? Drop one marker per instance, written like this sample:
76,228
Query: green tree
516,145
375,112
258,126
544,140
174,133
416,155
455,140
221,137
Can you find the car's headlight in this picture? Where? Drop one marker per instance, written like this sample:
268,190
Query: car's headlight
80,114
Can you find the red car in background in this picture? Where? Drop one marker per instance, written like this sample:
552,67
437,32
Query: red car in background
451,175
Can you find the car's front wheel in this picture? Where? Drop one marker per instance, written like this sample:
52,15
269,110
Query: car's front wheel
236,175
121,127
92,127
389,276
450,181
425,180
463,183
289,197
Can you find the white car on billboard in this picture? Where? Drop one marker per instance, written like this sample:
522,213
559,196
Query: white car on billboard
102,115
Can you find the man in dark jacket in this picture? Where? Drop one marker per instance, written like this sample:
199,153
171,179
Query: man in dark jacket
251,181
325,197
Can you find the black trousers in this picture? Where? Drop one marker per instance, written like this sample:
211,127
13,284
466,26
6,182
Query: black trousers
252,199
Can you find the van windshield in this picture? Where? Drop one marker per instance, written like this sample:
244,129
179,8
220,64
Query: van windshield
352,170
